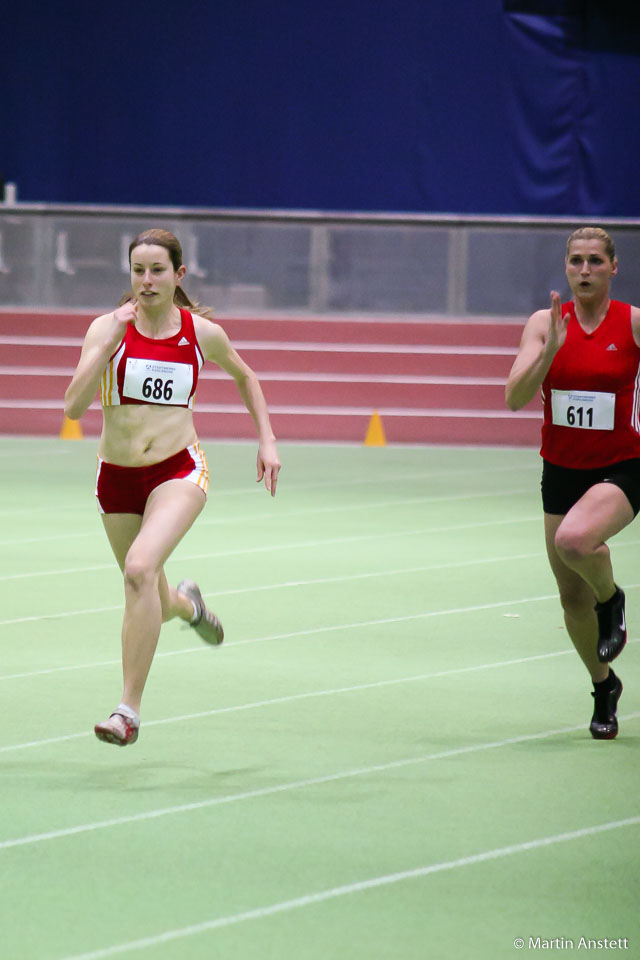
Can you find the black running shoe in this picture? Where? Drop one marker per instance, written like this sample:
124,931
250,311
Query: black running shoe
604,723
612,627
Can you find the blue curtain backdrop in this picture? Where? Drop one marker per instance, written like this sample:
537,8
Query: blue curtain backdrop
474,106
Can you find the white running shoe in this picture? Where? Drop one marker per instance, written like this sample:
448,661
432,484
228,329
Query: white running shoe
206,623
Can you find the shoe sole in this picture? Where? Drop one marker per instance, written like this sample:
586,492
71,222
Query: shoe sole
607,736
107,736
616,654
219,634
191,590
614,734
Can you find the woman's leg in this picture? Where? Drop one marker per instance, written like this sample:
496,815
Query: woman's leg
580,539
577,599
581,563
171,510
121,530
580,542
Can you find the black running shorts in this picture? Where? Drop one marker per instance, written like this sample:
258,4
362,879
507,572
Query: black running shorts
562,487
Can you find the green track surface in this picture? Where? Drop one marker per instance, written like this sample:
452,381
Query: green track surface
389,756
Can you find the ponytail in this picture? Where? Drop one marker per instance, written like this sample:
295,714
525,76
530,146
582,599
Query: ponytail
181,299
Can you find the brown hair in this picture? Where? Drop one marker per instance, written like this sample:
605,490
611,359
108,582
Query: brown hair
594,233
162,238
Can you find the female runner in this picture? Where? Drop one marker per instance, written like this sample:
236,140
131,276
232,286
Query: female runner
585,355
152,475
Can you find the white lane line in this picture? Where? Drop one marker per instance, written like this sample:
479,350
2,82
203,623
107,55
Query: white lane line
288,786
291,584
364,411
63,572
277,636
383,504
454,565
271,376
218,521
386,503
49,451
289,346
271,548
316,410
17,340
67,314
379,479
276,701
201,648
356,539
322,896
283,585
228,520
48,538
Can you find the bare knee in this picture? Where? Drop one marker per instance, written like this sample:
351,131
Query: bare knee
573,544
139,573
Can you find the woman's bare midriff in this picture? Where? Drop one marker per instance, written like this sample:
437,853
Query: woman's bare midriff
135,435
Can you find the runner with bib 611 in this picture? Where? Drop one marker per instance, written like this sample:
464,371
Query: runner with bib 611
584,355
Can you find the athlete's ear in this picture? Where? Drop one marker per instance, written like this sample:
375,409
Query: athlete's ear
180,272
614,266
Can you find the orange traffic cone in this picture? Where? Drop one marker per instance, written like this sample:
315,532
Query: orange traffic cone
71,429
375,432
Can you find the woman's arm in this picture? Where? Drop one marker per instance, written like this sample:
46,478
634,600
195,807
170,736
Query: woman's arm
544,334
102,338
217,347
635,324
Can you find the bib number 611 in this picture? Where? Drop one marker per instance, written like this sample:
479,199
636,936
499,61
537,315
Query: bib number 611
157,389
580,416
583,409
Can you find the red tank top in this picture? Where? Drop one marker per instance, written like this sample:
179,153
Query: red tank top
143,370
591,394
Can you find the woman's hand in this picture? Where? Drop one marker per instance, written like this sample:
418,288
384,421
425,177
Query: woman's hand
100,342
558,326
268,465
121,318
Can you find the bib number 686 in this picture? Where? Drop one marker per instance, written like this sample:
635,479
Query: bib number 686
157,389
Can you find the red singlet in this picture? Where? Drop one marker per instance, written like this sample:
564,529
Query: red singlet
591,394
143,370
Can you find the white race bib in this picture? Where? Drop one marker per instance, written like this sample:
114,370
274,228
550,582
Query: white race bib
583,410
157,382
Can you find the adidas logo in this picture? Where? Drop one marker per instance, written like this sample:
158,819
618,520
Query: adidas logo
183,342
612,346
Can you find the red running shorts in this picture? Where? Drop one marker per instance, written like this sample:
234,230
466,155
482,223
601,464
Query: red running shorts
127,489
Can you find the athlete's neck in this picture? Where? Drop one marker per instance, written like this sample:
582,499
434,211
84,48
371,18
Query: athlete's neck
158,324
591,313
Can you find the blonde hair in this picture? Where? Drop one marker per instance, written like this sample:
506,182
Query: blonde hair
594,233
163,238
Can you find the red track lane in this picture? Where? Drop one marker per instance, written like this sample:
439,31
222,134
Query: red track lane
369,395
332,366
295,329
311,360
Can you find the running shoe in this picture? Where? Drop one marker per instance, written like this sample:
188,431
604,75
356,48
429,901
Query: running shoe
206,624
604,723
118,729
612,627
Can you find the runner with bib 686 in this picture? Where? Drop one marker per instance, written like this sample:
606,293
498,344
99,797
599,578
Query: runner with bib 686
145,357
